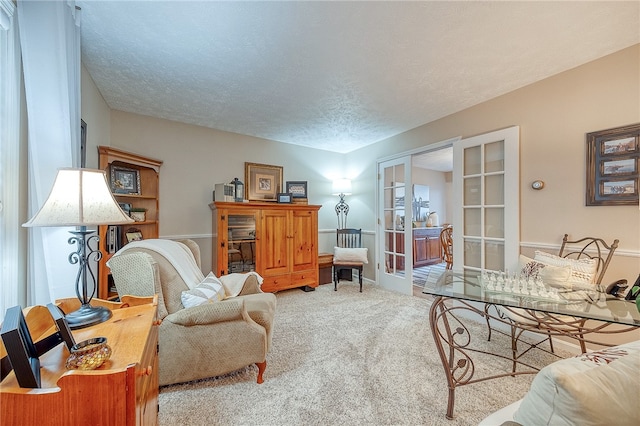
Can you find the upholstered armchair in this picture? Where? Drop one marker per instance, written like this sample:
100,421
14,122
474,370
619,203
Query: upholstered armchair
207,340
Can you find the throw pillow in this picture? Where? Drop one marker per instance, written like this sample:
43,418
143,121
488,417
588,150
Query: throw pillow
342,254
583,271
553,275
208,291
590,389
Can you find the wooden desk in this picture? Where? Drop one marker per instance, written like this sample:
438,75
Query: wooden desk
123,391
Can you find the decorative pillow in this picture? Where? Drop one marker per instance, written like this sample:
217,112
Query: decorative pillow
341,254
208,291
595,388
554,275
583,271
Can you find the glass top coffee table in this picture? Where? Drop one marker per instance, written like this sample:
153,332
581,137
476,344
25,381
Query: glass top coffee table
520,306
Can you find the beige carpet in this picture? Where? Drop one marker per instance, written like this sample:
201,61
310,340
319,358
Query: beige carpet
346,358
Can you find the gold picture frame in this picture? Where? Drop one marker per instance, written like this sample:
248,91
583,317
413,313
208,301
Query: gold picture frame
263,182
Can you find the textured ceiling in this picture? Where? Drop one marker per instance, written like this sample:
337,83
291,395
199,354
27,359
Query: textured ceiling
335,75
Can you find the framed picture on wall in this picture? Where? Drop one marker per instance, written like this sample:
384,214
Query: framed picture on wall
263,182
613,158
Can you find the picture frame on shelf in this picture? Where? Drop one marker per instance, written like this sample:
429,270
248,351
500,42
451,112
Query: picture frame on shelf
297,189
263,182
284,197
125,180
133,234
613,159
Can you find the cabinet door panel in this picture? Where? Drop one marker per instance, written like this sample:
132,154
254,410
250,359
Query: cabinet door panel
419,249
305,253
433,249
275,240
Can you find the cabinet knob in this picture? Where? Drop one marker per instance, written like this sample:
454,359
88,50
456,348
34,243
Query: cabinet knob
146,371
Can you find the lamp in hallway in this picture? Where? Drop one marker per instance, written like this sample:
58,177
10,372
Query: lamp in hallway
342,187
81,198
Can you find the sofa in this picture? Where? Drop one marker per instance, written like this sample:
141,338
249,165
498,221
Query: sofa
595,388
216,335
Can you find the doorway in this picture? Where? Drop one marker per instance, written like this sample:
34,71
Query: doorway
400,211
432,183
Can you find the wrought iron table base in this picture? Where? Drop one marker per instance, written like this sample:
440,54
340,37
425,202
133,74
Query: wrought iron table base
457,362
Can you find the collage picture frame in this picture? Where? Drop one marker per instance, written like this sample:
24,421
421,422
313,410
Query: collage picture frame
613,160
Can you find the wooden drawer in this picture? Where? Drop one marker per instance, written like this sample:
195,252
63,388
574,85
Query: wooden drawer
310,278
276,282
427,232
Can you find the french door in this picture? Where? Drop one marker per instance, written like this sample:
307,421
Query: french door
395,261
486,215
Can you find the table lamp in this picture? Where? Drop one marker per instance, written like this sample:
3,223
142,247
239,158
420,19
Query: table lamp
342,187
81,198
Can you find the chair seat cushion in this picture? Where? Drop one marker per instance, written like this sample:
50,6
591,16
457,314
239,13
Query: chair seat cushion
594,388
349,264
356,254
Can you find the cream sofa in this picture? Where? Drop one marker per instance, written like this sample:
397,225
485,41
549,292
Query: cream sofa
200,341
595,388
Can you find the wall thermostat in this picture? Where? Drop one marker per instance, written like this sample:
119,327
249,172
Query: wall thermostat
537,184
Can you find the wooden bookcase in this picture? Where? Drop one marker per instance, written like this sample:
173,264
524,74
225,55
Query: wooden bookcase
278,241
149,198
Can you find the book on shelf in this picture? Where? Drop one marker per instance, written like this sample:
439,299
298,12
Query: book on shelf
114,238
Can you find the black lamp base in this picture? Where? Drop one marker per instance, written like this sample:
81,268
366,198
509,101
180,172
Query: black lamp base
87,316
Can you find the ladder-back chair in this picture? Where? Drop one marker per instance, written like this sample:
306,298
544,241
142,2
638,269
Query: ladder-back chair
347,238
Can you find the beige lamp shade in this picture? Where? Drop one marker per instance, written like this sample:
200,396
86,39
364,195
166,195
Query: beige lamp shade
341,186
79,197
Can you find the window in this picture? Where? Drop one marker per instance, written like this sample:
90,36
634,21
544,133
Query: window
9,156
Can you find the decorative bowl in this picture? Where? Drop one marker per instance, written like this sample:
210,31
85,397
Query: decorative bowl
89,354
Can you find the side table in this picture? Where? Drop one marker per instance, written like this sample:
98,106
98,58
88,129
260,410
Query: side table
123,391
325,267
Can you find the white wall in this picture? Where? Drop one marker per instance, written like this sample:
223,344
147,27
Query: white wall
438,191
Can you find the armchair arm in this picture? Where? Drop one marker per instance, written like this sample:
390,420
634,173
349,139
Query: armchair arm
249,283
210,313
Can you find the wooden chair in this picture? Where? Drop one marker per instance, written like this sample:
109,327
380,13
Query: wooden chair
347,238
446,241
521,321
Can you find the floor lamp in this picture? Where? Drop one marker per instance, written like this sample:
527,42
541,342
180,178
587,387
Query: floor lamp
342,187
81,198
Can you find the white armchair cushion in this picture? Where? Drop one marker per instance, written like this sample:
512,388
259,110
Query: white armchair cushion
583,271
343,254
594,388
210,290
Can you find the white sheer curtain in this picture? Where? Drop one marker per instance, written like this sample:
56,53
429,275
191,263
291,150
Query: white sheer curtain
50,42
9,156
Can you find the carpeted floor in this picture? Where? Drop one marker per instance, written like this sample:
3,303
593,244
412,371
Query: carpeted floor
346,358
